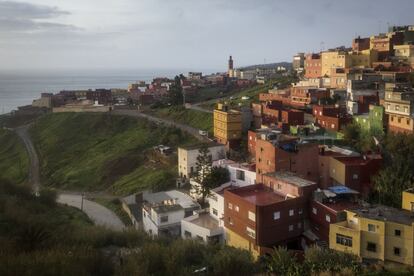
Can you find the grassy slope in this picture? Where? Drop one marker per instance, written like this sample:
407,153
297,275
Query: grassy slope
100,151
14,160
194,118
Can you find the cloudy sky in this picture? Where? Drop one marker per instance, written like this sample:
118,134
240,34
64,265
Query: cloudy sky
171,34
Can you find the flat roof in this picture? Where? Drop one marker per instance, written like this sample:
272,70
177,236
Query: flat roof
291,178
204,220
258,195
385,213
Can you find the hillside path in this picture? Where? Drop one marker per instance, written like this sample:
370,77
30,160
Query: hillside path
135,113
99,214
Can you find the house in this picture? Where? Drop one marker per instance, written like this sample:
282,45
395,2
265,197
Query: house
187,157
162,212
399,106
227,126
332,118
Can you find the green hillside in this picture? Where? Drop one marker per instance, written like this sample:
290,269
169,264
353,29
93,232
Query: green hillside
102,151
14,161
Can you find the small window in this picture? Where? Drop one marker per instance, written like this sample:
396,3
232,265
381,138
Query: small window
290,228
328,218
250,232
397,251
164,219
240,175
397,232
230,206
355,176
236,208
314,210
215,212
187,234
372,247
276,215
252,216
300,211
344,240
230,221
371,228
291,212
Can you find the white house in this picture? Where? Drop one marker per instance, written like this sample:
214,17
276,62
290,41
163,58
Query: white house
162,212
187,157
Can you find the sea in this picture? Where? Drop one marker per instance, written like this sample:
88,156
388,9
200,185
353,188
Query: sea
18,88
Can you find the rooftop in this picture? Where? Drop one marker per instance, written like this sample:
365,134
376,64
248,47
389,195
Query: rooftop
258,194
169,201
199,145
203,220
291,178
385,213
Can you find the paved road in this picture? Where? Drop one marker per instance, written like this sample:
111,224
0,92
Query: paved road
197,107
99,214
34,179
135,113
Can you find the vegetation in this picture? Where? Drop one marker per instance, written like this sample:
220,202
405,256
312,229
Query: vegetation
14,162
102,151
176,92
197,119
208,176
397,174
362,140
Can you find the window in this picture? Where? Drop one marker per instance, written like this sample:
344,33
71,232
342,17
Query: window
240,175
276,215
187,234
399,119
397,232
279,186
290,228
372,247
314,210
397,107
355,176
397,251
344,240
215,212
328,218
371,228
250,232
230,221
230,206
408,121
291,212
252,216
300,211
164,219
236,208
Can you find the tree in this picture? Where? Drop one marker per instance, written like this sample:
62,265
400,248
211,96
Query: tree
176,92
232,261
282,262
352,134
203,170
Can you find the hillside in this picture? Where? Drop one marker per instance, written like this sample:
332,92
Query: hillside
104,152
14,161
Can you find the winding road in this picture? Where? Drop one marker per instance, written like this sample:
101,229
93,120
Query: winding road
99,214
135,113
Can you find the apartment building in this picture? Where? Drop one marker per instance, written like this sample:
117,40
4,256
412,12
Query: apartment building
360,44
227,125
187,157
275,114
162,212
334,59
377,233
257,219
384,44
399,106
313,66
332,118
298,63
279,152
303,96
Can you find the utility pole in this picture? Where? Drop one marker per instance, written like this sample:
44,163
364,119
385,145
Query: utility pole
82,195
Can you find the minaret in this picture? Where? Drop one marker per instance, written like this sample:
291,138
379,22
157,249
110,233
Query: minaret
230,71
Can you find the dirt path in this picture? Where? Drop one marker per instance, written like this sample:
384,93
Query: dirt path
98,213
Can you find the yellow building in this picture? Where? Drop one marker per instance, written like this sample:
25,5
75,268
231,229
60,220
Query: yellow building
378,232
235,240
363,58
408,200
227,124
334,59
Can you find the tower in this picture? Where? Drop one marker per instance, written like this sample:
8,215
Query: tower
230,63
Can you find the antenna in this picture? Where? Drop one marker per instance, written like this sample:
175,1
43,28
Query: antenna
322,46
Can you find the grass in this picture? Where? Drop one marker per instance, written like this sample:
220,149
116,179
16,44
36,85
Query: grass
205,94
115,206
103,152
14,161
193,118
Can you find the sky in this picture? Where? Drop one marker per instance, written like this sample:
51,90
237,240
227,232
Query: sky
193,34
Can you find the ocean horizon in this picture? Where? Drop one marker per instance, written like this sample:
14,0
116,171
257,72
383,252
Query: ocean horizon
18,88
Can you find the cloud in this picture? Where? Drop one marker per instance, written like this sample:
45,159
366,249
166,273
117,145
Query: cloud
26,17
